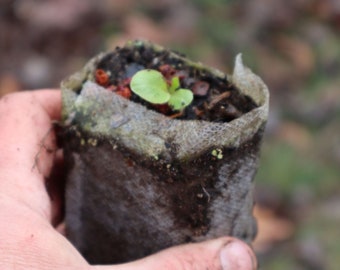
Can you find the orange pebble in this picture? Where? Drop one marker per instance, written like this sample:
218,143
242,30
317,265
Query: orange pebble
102,78
123,91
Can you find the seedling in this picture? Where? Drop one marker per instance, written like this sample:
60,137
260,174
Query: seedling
153,87
217,153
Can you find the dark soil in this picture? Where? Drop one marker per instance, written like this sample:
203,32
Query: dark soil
215,98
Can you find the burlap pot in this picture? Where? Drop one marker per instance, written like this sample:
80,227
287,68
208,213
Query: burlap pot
139,181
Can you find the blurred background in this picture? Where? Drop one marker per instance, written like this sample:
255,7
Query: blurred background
294,45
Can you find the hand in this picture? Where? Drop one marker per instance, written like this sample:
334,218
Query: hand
28,240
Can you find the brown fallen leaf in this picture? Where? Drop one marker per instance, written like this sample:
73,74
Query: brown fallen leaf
271,228
296,135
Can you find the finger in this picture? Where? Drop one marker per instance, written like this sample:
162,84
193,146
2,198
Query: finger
55,185
49,100
224,253
27,144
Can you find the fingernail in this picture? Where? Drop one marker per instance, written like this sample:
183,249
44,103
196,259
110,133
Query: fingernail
236,256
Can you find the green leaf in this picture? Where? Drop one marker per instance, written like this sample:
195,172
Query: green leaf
180,99
174,85
151,86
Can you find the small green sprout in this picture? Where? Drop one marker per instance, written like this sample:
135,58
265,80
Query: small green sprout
151,86
217,153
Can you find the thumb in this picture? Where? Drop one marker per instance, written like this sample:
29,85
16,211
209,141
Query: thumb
224,253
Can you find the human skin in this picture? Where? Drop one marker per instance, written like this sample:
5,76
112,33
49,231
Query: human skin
29,214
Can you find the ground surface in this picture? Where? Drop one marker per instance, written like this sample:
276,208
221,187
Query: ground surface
292,45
